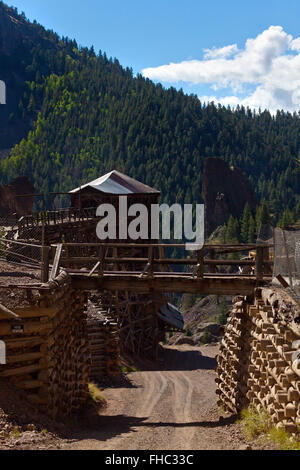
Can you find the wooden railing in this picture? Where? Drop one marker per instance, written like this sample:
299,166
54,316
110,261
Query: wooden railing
57,217
21,251
150,259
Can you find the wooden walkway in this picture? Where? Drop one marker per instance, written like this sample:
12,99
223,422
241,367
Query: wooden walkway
108,267
213,269
218,284
61,216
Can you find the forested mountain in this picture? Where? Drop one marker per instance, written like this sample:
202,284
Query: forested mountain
77,114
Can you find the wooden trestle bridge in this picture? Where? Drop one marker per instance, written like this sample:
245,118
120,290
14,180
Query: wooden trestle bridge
144,268
207,271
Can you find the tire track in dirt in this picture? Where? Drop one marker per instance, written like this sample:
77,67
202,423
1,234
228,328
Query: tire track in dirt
155,384
169,409
181,403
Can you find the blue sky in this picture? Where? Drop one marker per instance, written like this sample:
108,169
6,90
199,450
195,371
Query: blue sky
199,45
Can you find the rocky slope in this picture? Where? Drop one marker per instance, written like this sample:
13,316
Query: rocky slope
225,193
203,321
11,204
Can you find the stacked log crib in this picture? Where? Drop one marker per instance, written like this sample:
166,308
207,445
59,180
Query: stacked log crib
48,355
104,342
259,359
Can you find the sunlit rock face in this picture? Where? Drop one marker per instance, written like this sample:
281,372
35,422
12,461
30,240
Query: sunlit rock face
10,204
225,193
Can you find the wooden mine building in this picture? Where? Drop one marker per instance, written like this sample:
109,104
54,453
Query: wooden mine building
109,187
142,319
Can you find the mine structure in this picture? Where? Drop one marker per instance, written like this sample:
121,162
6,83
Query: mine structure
72,307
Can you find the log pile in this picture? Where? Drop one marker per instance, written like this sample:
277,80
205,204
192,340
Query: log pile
259,359
48,354
104,343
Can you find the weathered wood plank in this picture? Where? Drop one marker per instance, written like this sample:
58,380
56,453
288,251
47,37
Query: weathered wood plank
259,263
17,343
45,263
167,283
160,261
20,370
32,312
95,268
200,264
29,328
14,359
56,263
8,313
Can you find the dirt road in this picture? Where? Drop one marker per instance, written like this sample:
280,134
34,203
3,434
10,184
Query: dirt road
170,409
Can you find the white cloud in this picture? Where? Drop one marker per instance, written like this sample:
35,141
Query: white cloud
270,63
222,52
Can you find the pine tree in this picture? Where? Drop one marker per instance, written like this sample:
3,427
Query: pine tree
262,215
232,231
265,217
251,230
286,219
245,223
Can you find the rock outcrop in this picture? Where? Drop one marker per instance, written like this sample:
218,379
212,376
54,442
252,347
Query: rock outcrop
225,192
10,204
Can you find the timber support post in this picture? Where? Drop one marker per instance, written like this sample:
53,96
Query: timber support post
56,263
45,263
150,261
200,264
259,263
212,256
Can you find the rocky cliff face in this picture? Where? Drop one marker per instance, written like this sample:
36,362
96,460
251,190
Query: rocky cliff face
20,43
12,31
10,204
225,192
13,27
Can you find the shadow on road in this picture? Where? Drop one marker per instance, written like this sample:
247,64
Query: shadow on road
175,359
118,382
105,428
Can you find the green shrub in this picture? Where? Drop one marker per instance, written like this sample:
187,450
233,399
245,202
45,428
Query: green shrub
188,331
96,395
284,440
254,422
258,423
222,319
128,369
207,337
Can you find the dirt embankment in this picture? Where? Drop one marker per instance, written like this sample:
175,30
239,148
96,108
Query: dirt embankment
22,427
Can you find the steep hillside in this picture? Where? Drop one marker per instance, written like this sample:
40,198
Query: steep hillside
82,114
27,53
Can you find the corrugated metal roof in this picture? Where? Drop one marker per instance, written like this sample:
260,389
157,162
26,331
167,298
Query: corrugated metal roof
117,183
171,315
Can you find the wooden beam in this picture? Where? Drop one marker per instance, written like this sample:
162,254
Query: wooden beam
166,261
212,267
282,281
231,248
200,264
45,263
56,263
145,270
95,268
231,285
20,370
8,313
259,263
